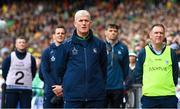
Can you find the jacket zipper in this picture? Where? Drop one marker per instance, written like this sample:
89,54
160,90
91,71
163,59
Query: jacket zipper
112,56
85,56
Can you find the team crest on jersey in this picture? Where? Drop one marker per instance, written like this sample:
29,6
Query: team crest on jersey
74,51
53,58
52,51
107,51
119,52
166,62
94,50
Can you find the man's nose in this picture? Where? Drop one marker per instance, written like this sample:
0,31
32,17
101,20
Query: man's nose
84,22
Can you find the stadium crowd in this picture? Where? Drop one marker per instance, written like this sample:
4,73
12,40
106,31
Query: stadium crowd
37,18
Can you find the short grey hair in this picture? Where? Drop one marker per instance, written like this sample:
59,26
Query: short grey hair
82,13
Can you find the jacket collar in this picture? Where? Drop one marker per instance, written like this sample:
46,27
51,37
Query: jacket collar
75,37
154,51
53,45
20,53
110,43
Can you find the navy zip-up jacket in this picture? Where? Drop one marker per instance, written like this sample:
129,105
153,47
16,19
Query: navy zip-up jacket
50,61
7,62
118,65
141,59
85,72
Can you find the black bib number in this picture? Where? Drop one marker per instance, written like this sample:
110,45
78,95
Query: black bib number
19,78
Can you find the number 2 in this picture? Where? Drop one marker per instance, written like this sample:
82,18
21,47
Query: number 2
21,76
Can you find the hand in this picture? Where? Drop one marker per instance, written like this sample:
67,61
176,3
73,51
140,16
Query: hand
58,90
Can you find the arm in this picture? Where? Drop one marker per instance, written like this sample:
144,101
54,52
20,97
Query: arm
33,66
45,68
125,64
103,60
61,63
58,90
40,73
139,67
5,66
175,66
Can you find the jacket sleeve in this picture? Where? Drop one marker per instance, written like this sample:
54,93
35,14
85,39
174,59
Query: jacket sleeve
5,66
33,66
125,65
175,66
103,60
40,73
139,67
45,68
61,64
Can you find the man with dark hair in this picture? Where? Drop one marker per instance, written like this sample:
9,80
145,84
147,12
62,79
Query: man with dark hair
118,67
52,78
157,68
18,70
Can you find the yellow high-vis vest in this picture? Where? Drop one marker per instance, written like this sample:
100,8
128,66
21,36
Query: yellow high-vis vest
157,74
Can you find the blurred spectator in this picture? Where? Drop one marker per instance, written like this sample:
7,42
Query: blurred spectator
132,61
4,52
132,64
37,18
37,85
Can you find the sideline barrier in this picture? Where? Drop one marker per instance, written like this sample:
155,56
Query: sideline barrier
134,96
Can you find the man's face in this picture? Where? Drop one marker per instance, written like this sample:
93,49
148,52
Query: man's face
59,35
132,59
111,34
82,25
157,35
21,44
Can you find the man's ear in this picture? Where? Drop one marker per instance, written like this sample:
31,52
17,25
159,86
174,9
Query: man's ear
90,23
150,34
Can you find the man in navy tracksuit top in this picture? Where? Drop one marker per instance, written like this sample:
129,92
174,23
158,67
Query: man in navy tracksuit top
18,70
52,77
85,72
118,66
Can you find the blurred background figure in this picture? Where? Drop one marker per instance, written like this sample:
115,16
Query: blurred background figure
118,67
3,25
132,62
37,86
4,52
18,71
130,94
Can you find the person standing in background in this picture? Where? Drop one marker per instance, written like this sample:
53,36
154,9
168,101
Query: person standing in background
18,71
118,67
132,65
50,60
37,86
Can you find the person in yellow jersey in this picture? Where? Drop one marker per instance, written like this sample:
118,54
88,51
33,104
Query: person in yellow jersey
157,69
